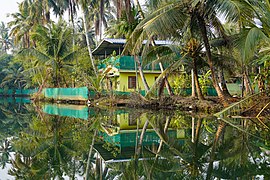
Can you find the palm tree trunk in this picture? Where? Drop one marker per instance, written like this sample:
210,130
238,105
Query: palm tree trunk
89,156
101,18
129,14
146,87
193,88
119,9
219,132
198,87
223,83
168,86
87,42
168,120
247,83
202,26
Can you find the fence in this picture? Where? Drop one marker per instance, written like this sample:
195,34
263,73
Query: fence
66,93
17,92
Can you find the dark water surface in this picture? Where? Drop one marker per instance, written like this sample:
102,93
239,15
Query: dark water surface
55,142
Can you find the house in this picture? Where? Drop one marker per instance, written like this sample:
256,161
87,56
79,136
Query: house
121,71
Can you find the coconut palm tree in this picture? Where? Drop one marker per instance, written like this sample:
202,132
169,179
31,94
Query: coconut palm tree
54,50
174,18
5,40
84,7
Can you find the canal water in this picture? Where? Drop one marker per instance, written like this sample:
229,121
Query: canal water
52,141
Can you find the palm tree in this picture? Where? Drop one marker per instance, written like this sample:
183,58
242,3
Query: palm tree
174,18
5,40
84,7
21,25
193,48
14,77
54,50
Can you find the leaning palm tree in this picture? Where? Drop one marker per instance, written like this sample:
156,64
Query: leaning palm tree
174,18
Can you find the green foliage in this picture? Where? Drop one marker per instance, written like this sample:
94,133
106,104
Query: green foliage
181,83
205,81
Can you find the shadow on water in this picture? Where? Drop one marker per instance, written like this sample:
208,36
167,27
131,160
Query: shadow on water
60,142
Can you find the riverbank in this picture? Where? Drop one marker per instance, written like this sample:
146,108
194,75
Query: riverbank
211,104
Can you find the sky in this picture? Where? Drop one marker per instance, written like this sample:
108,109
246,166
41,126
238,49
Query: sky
11,6
8,6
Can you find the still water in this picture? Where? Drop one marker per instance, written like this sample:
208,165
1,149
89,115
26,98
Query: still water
48,141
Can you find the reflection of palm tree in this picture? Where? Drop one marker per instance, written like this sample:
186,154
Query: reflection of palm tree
191,154
239,156
5,150
21,167
50,147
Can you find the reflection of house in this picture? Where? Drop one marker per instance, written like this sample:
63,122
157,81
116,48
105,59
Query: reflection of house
120,139
122,69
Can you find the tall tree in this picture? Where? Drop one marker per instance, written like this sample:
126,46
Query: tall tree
173,19
54,50
84,7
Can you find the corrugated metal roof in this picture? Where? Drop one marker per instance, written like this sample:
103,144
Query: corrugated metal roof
108,45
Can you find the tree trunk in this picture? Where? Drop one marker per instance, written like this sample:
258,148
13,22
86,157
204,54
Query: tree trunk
146,87
198,87
247,83
193,88
119,9
219,132
129,14
168,86
87,171
42,85
202,26
87,42
101,18
223,83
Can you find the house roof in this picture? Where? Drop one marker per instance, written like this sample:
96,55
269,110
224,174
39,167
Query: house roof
107,46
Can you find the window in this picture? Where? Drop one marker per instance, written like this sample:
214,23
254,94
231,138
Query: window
131,82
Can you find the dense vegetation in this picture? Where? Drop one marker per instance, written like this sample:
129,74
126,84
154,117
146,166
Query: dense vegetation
217,41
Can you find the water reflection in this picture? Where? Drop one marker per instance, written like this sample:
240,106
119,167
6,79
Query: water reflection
74,142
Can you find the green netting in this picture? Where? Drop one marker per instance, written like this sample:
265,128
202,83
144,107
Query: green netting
25,91
129,139
211,91
7,100
75,111
128,63
66,93
22,100
10,92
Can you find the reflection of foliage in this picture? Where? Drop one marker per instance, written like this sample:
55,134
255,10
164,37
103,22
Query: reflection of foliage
5,150
114,150
55,146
